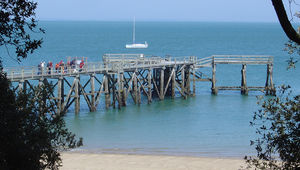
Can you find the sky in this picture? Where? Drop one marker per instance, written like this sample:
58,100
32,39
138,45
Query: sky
157,10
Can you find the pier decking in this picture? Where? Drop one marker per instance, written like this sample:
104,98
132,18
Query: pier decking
120,76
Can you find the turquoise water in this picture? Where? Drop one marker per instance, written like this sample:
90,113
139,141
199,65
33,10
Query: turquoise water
204,125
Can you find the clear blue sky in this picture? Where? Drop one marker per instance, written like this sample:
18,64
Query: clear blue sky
157,10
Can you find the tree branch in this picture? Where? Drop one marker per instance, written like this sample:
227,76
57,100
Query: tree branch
284,21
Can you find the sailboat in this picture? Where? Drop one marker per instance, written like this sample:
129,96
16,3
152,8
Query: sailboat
134,45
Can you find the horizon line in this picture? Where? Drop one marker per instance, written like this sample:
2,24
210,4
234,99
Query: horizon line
215,21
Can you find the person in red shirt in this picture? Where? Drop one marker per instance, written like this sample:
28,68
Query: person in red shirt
50,66
81,65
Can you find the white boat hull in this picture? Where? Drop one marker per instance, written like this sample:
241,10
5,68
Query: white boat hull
137,45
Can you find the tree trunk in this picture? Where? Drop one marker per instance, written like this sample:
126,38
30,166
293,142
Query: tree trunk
285,22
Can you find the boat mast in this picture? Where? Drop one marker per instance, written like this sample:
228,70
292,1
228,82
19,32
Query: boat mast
133,35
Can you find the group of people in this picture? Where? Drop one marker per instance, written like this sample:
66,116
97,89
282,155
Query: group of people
73,66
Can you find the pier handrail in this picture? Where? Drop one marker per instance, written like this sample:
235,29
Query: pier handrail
244,59
119,62
204,60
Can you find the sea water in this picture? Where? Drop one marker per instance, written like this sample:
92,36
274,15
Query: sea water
204,125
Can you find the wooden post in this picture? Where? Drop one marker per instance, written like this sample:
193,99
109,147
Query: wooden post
107,96
21,86
124,96
173,83
76,90
135,90
113,87
149,86
25,86
41,82
214,89
139,95
194,81
92,82
162,78
62,92
119,91
188,81
267,80
123,101
183,82
59,95
244,88
271,88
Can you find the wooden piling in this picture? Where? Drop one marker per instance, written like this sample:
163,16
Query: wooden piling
135,86
149,86
21,86
41,82
124,97
92,82
244,88
162,78
107,95
173,84
273,90
123,101
214,89
119,91
188,81
77,94
194,82
139,95
267,87
183,82
112,86
25,85
59,95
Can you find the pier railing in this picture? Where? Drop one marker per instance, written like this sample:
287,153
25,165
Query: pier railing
242,59
112,63
120,62
233,59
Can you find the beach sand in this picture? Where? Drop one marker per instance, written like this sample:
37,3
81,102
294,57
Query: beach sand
89,161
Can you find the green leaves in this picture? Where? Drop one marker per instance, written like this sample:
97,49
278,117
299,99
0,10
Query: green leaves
33,135
294,50
277,124
16,17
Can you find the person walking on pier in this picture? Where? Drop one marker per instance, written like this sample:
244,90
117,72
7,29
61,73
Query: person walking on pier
81,65
56,67
39,69
42,67
61,66
49,66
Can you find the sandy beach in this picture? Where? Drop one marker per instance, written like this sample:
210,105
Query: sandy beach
89,161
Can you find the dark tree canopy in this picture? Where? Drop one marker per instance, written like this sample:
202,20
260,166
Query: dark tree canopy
32,135
17,21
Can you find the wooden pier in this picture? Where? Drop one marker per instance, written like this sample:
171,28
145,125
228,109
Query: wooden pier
122,77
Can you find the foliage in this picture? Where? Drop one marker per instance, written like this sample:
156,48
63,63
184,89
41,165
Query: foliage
294,51
32,134
278,125
292,47
17,21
